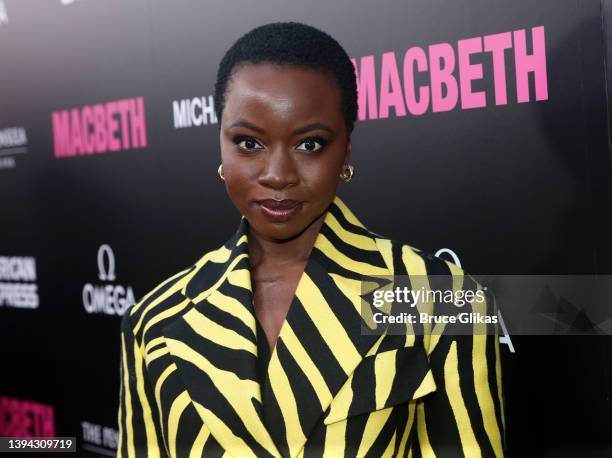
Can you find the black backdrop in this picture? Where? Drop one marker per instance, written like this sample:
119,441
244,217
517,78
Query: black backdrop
521,187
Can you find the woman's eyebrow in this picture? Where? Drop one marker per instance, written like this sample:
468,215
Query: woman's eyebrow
313,126
301,130
247,124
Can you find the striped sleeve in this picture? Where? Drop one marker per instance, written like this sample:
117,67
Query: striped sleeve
465,416
139,430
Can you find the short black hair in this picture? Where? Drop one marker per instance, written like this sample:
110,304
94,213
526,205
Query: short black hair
291,43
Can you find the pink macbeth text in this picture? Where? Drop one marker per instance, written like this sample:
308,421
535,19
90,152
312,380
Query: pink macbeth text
100,128
446,74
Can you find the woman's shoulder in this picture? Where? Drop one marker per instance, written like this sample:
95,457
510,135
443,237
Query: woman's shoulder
405,256
405,259
168,295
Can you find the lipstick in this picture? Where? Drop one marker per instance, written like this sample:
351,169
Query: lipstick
279,211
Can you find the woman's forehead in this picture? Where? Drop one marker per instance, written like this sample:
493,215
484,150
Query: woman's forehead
282,89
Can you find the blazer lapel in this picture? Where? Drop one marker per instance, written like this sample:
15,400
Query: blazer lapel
214,348
320,343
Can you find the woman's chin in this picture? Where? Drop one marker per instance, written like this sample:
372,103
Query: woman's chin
278,230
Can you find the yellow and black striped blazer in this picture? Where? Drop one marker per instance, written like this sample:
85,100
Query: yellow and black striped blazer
189,385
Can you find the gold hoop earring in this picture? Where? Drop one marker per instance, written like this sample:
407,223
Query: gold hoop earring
347,173
220,172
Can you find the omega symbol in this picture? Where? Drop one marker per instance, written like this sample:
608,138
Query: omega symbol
451,253
107,274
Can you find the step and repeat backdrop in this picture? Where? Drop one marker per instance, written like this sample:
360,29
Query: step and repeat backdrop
108,179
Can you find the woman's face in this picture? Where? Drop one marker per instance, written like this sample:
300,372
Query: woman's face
283,137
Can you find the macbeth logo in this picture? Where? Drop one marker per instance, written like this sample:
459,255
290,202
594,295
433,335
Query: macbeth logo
109,299
442,76
101,128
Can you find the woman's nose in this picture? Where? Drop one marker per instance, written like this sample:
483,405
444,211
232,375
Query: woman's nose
279,170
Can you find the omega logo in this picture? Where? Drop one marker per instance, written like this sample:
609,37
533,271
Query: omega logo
109,299
106,274
503,339
451,253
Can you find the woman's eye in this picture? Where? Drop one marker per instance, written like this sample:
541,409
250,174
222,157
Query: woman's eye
311,144
248,143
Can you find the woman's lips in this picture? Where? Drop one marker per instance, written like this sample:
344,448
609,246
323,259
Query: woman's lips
279,210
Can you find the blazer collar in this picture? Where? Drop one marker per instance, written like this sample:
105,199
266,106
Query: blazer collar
320,343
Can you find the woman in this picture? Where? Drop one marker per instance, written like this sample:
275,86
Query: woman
257,349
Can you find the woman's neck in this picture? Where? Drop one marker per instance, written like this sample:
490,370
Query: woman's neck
267,251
